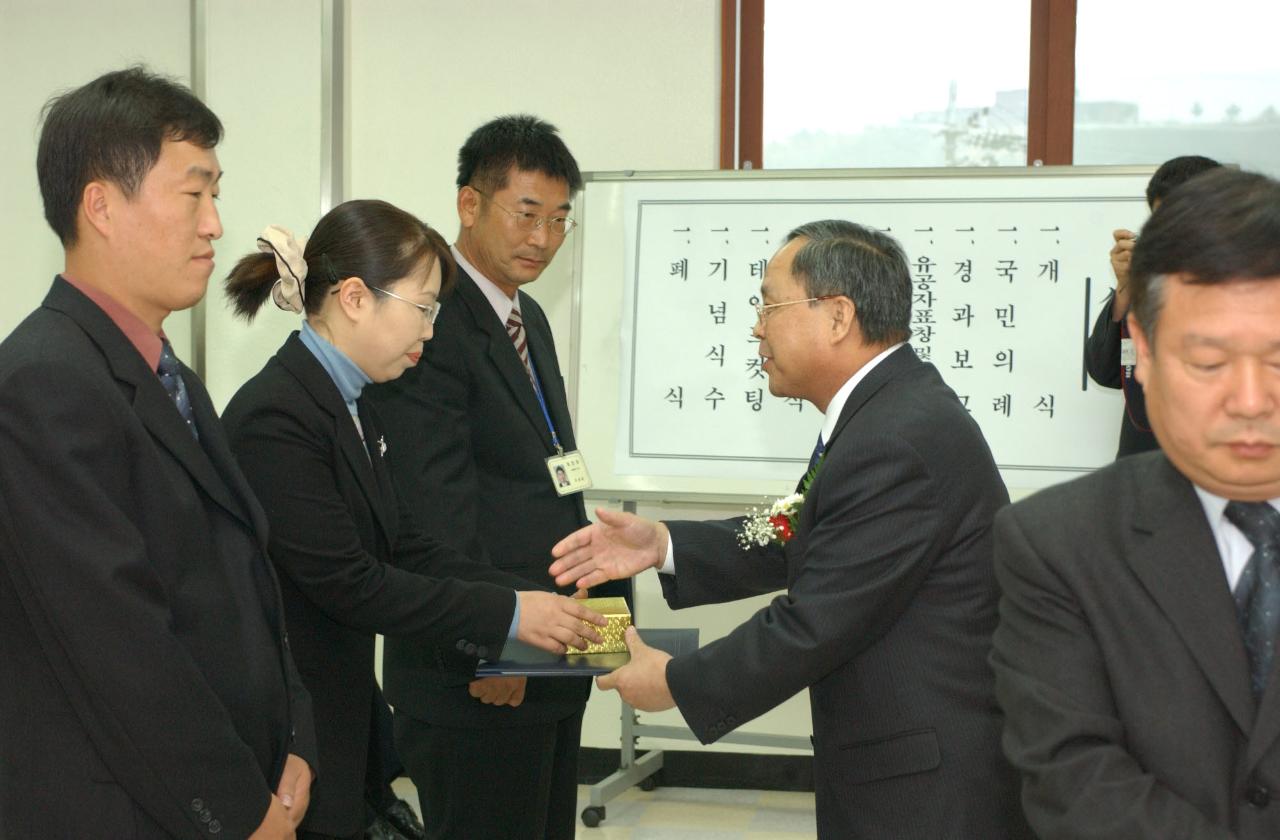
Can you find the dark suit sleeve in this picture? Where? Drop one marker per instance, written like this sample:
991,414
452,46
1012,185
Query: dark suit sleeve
315,542
1102,350
81,569
1062,730
700,579
879,526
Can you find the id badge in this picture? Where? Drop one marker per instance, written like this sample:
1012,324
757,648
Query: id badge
1128,354
568,473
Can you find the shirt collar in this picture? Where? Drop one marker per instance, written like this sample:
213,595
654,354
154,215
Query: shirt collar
346,374
139,334
1215,507
502,305
842,396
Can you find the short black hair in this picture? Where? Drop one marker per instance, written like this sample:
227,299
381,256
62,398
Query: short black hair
862,264
112,129
1175,172
517,140
1219,226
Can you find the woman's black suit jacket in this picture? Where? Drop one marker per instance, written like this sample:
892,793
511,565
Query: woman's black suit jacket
350,565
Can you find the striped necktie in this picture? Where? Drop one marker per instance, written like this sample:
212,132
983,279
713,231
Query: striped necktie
515,329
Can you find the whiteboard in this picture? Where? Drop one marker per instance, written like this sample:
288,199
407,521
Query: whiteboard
1009,265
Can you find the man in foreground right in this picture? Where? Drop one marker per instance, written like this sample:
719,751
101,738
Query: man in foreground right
1140,607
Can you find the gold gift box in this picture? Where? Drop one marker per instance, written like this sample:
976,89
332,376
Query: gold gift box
614,609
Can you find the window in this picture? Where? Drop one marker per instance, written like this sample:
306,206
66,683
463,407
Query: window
825,83
1154,81
867,84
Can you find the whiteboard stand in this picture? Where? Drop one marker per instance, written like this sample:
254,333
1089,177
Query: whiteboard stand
641,771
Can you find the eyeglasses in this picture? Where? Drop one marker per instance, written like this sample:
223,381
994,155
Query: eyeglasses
430,311
559,225
763,309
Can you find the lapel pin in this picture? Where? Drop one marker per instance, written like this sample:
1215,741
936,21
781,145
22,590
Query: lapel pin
382,446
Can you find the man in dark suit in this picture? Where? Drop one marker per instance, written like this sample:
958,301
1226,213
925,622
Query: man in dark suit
1134,656
890,600
470,431
1109,350
149,688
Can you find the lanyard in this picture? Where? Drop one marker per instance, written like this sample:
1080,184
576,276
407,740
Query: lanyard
542,402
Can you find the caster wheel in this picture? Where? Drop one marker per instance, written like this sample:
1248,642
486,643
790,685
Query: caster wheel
648,783
592,816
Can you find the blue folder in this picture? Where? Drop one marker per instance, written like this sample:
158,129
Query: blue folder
521,660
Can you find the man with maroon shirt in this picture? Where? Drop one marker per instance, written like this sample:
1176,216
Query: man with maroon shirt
149,688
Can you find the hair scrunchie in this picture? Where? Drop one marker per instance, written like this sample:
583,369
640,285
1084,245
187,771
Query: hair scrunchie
290,291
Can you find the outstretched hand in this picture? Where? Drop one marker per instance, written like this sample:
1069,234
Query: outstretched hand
553,622
615,546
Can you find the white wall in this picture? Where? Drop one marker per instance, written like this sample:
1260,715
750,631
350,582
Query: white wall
630,85
50,46
263,82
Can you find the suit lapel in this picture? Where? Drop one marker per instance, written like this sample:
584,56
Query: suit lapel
386,511
502,353
315,380
901,360
151,402
1174,556
894,365
215,446
542,351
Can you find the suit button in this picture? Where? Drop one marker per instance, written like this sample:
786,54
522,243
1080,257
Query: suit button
1257,796
215,827
197,804
462,644
470,649
482,651
205,815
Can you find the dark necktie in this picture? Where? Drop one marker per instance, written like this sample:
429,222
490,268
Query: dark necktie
1257,593
171,379
515,329
818,449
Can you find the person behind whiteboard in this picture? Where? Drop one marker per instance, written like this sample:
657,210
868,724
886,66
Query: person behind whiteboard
1107,349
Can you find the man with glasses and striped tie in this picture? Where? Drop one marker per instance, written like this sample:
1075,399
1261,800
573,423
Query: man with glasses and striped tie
479,436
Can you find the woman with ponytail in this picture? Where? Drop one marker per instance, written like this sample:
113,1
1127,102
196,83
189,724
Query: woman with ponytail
351,566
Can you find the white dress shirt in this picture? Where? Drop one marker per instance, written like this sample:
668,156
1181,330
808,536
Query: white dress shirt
1233,546
502,305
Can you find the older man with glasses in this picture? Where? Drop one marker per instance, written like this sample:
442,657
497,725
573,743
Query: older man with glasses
889,599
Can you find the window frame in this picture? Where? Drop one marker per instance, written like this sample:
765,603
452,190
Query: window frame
1050,86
